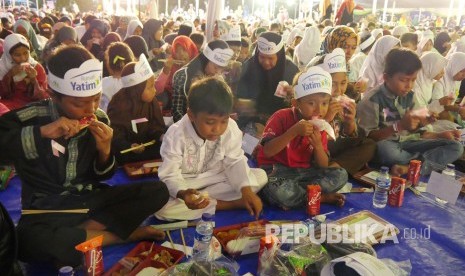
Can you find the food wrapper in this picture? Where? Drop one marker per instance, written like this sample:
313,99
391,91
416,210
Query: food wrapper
93,255
421,113
344,100
221,266
324,126
241,239
280,92
303,259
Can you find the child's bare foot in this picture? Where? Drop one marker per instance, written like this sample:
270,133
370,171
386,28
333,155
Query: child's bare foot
333,198
398,170
146,233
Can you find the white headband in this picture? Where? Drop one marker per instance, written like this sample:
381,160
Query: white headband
267,47
234,34
218,56
335,61
142,72
84,81
365,44
314,80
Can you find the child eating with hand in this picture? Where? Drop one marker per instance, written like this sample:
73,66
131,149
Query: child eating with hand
294,149
202,153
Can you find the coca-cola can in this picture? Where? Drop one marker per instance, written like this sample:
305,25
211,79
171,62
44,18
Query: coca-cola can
413,175
94,261
314,199
396,191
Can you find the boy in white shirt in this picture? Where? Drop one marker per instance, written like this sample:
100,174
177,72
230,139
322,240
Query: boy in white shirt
202,154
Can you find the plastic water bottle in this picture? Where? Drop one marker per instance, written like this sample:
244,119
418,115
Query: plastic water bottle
383,181
203,236
449,170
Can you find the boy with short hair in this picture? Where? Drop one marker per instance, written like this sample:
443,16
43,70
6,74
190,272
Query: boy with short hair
409,41
61,159
202,154
385,114
294,148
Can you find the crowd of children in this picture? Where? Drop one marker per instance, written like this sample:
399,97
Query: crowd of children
325,103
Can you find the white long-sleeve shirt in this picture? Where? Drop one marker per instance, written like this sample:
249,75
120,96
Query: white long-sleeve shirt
186,157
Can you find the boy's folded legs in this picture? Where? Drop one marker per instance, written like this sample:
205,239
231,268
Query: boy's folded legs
176,209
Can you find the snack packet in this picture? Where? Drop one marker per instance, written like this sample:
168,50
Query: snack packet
93,255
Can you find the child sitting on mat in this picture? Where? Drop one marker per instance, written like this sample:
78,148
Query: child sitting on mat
202,153
61,162
294,149
135,114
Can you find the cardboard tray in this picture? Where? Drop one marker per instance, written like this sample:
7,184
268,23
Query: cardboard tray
366,217
136,169
145,261
235,232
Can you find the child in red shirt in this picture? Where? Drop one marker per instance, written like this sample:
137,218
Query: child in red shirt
294,146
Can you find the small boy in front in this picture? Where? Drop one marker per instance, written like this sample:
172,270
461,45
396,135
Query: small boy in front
204,166
294,150
385,113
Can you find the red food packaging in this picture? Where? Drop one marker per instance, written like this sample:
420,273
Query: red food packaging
396,191
413,175
93,255
314,199
268,247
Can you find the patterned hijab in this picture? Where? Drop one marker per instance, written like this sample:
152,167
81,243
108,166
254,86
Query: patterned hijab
338,38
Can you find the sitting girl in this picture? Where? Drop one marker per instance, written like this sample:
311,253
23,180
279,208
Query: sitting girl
136,100
116,57
22,79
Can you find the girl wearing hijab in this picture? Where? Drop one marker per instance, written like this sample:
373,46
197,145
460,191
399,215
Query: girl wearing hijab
110,38
65,36
182,52
152,33
24,28
373,66
345,38
134,101
345,14
134,28
93,37
260,77
442,43
432,69
137,45
425,43
366,43
446,90
377,33
212,61
116,57
22,79
308,47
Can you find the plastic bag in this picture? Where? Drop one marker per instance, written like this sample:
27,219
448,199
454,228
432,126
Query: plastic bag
302,259
222,266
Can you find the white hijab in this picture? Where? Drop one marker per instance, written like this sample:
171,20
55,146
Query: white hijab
377,32
458,46
132,27
308,47
373,66
424,38
456,64
6,62
432,64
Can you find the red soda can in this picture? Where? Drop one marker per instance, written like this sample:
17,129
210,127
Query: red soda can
314,199
413,175
268,246
396,191
94,261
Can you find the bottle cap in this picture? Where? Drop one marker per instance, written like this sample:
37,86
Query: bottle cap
451,166
207,217
66,270
384,169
